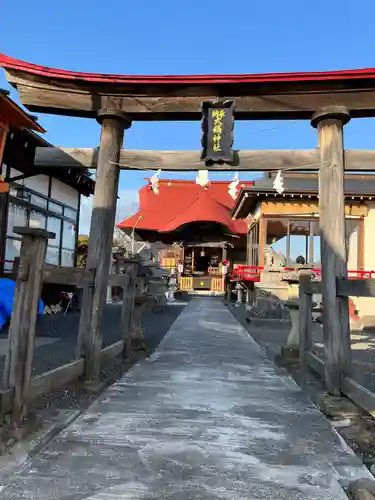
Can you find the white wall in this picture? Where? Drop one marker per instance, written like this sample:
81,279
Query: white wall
64,193
39,183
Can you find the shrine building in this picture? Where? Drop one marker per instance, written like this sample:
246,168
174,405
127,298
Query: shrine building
195,223
284,227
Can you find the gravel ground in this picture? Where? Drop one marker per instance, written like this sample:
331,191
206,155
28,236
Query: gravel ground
50,412
355,425
272,334
64,330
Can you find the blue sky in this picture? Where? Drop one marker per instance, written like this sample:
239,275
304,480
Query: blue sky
210,36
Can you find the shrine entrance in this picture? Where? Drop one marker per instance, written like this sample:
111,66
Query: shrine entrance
328,100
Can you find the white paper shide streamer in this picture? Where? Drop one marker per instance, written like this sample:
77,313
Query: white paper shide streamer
202,178
154,182
233,186
278,183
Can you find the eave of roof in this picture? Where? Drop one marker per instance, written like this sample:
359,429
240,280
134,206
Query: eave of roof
69,177
252,196
18,118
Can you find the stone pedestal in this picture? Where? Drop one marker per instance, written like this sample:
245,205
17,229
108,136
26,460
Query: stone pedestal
137,334
293,308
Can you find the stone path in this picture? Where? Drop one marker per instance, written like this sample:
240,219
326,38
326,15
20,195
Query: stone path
206,417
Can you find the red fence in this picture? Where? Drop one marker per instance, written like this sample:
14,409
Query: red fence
252,273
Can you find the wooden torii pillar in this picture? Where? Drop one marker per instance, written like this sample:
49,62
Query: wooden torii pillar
330,123
113,124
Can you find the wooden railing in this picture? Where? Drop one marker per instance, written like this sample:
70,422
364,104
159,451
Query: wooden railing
186,283
217,285
337,350
18,384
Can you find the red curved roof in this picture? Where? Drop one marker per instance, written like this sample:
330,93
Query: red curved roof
44,71
183,202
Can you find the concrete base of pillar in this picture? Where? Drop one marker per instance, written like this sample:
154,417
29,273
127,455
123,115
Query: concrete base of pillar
289,353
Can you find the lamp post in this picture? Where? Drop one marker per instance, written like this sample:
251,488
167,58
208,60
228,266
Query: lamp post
133,231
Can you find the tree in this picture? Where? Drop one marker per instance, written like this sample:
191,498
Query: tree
82,247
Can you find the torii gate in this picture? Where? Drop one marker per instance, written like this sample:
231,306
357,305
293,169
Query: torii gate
328,99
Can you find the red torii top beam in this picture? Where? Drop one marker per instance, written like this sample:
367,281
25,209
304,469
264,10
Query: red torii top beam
178,97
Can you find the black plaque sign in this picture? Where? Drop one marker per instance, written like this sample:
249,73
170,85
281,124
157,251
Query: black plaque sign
217,132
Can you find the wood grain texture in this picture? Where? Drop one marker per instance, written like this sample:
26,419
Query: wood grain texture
127,310
333,250
100,241
19,359
268,160
305,318
355,287
117,280
53,379
184,103
359,394
315,363
113,350
306,207
68,276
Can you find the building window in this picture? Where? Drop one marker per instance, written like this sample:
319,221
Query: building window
69,235
299,238
289,240
37,219
67,258
54,207
70,213
54,225
53,255
38,201
12,250
277,242
17,216
57,218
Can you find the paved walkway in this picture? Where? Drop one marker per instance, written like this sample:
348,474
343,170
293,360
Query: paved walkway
206,417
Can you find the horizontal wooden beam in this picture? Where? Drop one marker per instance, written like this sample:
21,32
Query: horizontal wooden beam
250,160
355,391
68,276
355,287
113,350
282,101
117,280
315,363
359,394
54,379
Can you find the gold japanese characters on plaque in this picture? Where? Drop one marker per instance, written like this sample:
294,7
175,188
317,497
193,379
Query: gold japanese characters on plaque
217,132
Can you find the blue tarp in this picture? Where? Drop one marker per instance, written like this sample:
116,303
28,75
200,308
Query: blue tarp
7,290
